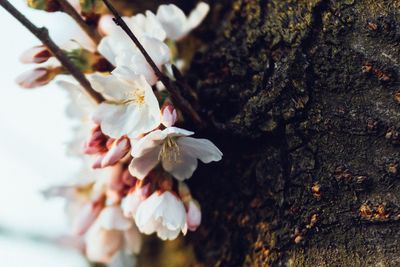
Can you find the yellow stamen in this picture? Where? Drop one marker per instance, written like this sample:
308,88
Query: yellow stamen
169,150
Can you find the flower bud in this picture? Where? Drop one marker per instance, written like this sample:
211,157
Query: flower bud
169,115
193,216
37,54
86,217
96,143
117,151
37,77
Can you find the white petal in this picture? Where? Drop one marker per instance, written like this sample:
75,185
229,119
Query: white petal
135,61
111,87
106,50
175,131
202,149
173,20
116,120
102,245
112,218
147,25
125,73
144,214
151,140
141,166
198,15
80,105
165,234
172,213
133,199
114,44
183,167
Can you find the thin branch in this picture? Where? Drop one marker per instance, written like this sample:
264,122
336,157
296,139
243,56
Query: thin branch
43,35
70,10
171,87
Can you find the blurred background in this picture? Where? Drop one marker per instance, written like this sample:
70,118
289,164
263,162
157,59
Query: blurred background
34,131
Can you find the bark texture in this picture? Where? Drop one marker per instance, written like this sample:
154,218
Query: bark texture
303,97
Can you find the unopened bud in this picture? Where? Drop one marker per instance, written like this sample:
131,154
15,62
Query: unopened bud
36,54
169,115
193,218
37,77
118,151
97,142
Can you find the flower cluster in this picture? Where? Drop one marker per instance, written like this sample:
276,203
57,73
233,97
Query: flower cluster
138,157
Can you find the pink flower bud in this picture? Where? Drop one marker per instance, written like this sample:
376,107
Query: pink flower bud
37,77
97,163
169,115
118,150
97,142
86,217
36,54
193,216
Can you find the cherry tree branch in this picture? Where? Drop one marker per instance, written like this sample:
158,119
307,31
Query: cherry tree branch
43,35
179,101
70,10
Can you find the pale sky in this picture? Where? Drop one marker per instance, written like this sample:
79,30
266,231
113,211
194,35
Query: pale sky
33,131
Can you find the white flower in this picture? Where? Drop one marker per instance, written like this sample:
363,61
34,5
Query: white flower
133,199
177,152
131,108
79,108
163,214
175,22
111,233
140,24
120,50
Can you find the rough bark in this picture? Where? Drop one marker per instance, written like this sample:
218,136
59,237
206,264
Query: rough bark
303,97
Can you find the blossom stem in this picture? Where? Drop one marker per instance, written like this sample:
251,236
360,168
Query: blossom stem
89,30
179,101
43,35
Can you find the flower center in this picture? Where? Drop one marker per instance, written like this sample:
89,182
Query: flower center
169,150
136,97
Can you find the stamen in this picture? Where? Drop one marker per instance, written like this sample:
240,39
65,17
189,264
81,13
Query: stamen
136,96
169,150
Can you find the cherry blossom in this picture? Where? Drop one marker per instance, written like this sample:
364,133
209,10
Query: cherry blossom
122,52
162,213
131,108
175,22
133,199
177,153
111,233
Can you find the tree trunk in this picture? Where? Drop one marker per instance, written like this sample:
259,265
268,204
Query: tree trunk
305,103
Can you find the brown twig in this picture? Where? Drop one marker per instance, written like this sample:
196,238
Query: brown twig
43,35
170,86
70,10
